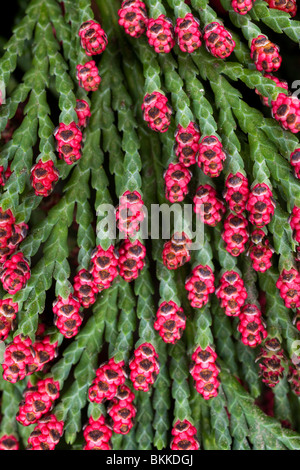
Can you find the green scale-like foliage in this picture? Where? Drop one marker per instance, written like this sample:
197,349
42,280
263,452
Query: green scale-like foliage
38,59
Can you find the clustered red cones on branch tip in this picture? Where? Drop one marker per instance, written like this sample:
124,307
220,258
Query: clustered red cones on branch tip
205,371
15,273
235,234
104,266
109,376
231,293
157,111
188,33
200,284
46,434
93,38
218,40
280,83
23,358
176,251
144,367
83,112
170,322
43,177
236,192
85,288
122,411
251,326
177,178
294,377
8,314
208,206
260,251
67,315
286,110
38,400
289,6
184,436
210,156
9,442
271,357
131,259
261,205
295,162
130,213
11,234
160,34
97,435
68,142
187,143
88,76
133,17
288,284
242,6
295,223
4,174
265,54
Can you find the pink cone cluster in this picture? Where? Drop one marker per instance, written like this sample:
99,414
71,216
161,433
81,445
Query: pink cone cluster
205,371
104,266
188,33
85,288
133,17
170,322
144,367
260,251
199,285
280,83
83,112
23,358
88,76
187,143
177,178
8,314
68,142
14,273
97,435
295,223
231,293
132,259
271,362
218,40
67,315
295,162
184,436
9,442
236,192
176,251
157,111
38,400
47,433
288,284
261,205
122,411
93,38
210,156
288,6
208,206
160,34
286,110
11,234
4,174
265,54
251,326
44,175
242,6
235,234
109,376
129,213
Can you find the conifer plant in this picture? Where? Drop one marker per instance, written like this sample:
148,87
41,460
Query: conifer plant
113,336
